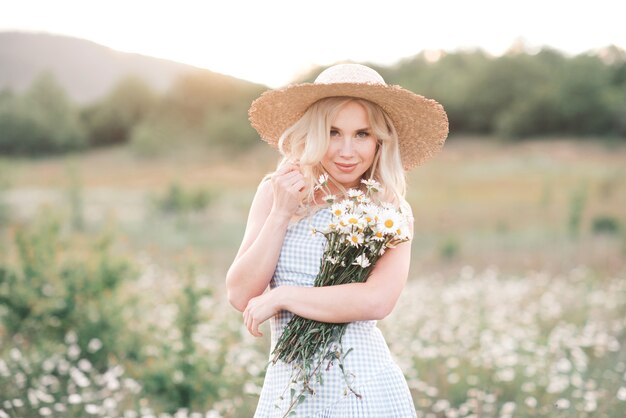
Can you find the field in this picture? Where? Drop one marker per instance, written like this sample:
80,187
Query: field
112,267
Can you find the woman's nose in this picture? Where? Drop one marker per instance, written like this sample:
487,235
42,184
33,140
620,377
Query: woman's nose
346,147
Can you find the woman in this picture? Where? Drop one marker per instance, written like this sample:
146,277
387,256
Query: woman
350,125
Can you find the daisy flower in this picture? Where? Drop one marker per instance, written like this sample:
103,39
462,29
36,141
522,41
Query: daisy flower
363,199
370,213
354,193
352,219
403,231
338,209
355,239
389,221
331,227
378,235
329,198
372,185
362,261
321,181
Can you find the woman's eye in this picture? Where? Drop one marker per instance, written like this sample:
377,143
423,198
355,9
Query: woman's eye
363,134
334,132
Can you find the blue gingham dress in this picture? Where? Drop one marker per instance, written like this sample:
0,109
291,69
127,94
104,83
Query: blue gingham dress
373,373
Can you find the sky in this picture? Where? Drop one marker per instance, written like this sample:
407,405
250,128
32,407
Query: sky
272,41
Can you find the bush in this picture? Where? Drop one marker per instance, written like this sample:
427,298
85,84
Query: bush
60,380
5,214
41,121
177,200
179,379
154,137
229,130
111,120
54,287
449,248
577,202
80,339
605,224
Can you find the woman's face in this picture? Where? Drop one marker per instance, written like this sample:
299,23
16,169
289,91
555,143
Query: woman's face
352,146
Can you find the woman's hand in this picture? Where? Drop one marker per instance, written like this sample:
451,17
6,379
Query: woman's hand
260,309
287,185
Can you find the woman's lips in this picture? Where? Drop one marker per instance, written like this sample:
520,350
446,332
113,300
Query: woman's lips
346,168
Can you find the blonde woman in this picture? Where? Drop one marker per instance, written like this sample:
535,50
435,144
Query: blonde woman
352,126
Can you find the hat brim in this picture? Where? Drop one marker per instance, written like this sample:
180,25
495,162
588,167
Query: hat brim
421,123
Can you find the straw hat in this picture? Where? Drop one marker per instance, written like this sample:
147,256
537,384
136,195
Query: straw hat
421,123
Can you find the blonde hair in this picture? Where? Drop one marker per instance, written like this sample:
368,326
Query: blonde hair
307,140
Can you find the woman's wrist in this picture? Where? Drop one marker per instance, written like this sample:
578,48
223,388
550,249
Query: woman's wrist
280,216
282,296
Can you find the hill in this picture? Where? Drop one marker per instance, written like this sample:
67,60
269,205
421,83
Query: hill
85,69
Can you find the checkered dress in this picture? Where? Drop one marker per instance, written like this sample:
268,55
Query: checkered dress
373,373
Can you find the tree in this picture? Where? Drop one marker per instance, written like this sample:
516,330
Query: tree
43,120
111,120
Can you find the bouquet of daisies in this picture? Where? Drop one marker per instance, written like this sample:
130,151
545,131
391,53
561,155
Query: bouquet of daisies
359,233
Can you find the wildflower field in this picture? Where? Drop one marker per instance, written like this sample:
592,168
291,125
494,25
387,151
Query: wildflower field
112,301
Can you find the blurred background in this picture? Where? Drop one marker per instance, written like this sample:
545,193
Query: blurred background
128,165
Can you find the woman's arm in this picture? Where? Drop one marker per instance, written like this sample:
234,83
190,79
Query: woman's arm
255,262
374,299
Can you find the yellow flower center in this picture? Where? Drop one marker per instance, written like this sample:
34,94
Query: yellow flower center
389,223
354,238
353,221
379,234
337,212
